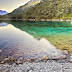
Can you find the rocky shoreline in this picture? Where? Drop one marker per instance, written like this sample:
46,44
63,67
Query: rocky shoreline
50,65
53,63
42,66
20,60
40,19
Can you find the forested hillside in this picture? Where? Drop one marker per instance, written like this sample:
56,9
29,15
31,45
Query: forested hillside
46,9
49,9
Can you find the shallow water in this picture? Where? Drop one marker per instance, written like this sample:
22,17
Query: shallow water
58,33
34,40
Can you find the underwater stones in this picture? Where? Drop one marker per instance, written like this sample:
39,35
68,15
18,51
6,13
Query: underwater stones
59,57
9,60
32,60
62,57
0,50
20,61
6,59
1,62
25,45
65,52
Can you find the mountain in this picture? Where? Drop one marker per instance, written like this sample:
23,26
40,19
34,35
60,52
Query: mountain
50,9
26,7
3,12
44,9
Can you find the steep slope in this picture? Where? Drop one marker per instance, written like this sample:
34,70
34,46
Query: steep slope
44,9
49,9
26,7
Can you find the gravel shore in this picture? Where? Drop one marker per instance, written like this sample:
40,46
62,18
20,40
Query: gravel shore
42,66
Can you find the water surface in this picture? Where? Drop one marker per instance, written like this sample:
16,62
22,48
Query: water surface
34,40
58,33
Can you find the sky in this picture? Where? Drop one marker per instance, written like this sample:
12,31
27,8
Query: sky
10,5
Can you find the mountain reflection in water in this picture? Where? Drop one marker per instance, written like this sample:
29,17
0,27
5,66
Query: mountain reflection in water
57,33
16,43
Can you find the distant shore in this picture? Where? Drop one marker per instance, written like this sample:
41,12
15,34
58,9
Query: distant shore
40,19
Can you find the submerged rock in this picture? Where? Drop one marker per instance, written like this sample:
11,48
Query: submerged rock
65,52
62,57
20,61
0,50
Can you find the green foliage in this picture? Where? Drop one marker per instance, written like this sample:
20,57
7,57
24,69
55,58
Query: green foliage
50,9
47,9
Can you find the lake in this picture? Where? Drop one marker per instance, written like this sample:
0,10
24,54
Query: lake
34,40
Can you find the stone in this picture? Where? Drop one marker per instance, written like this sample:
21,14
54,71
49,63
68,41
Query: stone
45,58
2,61
41,71
20,61
32,60
6,59
65,52
70,54
0,50
62,57
71,60
59,57
70,57
30,71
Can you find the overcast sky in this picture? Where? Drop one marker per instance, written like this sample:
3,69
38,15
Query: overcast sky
10,5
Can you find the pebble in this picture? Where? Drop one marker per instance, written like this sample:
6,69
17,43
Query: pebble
62,57
30,70
45,58
40,70
65,52
71,58
20,61
42,66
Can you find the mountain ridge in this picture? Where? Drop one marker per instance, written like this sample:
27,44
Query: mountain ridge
26,7
43,9
51,9
2,12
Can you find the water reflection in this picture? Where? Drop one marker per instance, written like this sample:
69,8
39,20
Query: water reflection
3,24
15,43
58,33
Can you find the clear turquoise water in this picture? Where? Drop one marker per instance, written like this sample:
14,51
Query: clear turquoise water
17,37
58,33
